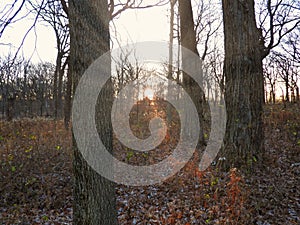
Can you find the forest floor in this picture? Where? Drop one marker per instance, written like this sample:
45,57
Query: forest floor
36,179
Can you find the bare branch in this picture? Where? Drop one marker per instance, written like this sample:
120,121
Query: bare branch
116,9
277,20
8,21
65,7
26,34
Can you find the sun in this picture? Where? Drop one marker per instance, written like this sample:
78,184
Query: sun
149,93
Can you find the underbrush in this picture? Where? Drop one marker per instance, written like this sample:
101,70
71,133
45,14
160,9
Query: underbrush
36,179
35,168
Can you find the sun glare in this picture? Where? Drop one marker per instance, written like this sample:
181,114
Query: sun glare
149,93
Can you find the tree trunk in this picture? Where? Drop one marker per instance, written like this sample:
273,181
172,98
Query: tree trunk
68,99
273,97
244,85
170,66
287,98
171,37
55,83
188,41
60,88
94,196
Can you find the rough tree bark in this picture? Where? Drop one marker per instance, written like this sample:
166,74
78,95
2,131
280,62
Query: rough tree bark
244,85
94,201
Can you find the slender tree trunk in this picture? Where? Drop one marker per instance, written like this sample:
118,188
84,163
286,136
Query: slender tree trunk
208,89
60,88
171,37
94,199
59,94
55,83
178,50
170,66
68,99
273,94
188,41
287,99
244,85
10,108
216,94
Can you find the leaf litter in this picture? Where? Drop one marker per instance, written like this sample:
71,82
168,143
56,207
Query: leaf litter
36,179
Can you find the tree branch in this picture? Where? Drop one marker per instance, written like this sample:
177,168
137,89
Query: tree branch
65,6
7,22
131,5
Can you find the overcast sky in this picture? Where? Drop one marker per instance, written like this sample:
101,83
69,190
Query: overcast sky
132,26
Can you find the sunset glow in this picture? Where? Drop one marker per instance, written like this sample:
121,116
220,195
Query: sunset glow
149,93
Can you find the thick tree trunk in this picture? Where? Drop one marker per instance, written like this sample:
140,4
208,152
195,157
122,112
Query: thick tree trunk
244,87
94,200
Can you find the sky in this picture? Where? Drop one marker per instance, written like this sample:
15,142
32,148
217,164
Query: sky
132,26
143,25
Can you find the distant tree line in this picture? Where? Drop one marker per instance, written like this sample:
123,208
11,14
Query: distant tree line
27,89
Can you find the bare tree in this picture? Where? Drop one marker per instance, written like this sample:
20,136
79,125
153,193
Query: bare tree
170,64
287,70
188,41
291,48
244,85
207,24
292,45
214,72
271,77
25,88
40,85
276,19
116,7
54,14
9,78
127,69
245,48
9,14
12,13
94,195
